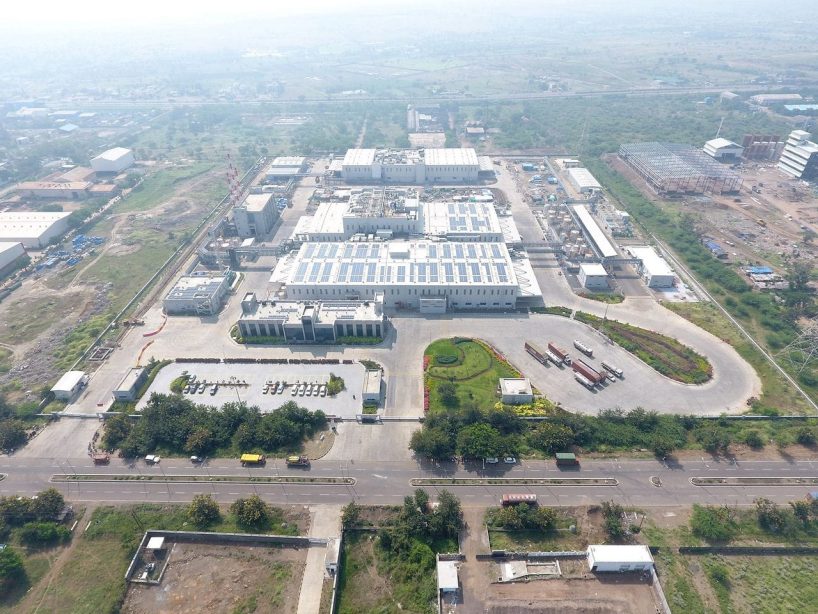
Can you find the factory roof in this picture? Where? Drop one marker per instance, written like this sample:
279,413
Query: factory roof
400,262
462,156
359,157
255,203
78,173
9,245
68,381
283,171
196,286
652,262
583,178
18,224
595,233
591,269
288,161
447,218
114,154
485,164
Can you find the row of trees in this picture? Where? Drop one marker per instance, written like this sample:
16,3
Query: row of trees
178,425
524,517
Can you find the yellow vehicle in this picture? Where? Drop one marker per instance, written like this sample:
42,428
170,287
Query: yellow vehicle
253,459
298,461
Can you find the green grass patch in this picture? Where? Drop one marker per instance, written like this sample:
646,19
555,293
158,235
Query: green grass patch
5,360
604,297
665,354
159,186
474,373
675,575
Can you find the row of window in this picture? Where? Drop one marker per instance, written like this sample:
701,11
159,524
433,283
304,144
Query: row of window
309,292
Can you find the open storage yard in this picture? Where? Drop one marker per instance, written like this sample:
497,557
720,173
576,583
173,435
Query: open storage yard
223,578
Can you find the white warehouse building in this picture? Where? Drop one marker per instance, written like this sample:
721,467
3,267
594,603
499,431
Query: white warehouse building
34,229
256,216
411,166
723,150
10,253
114,160
654,269
422,274
583,181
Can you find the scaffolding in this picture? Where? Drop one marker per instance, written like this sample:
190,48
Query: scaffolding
671,168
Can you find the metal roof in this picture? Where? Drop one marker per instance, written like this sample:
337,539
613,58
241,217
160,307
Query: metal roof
450,156
447,576
112,155
652,262
68,381
595,233
620,554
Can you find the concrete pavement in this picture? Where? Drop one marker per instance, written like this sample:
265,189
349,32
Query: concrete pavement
387,482
325,522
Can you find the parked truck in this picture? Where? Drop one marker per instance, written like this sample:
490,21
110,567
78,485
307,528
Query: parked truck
612,369
584,381
248,460
559,353
538,353
516,499
583,348
566,459
588,372
298,461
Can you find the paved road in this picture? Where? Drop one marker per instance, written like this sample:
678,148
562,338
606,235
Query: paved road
386,483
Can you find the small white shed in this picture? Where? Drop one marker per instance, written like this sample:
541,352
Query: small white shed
69,385
516,391
593,276
447,581
605,558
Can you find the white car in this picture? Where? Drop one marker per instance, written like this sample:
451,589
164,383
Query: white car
323,391
308,391
510,460
295,390
302,389
492,460
152,459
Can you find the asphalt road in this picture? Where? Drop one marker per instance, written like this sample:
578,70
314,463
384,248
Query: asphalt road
388,482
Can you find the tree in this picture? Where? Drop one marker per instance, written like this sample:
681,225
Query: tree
200,441
43,533
251,513
479,441
661,446
770,517
433,443
550,437
12,571
801,510
805,436
203,511
12,435
715,524
753,439
350,515
713,439
447,520
48,504
612,514
448,394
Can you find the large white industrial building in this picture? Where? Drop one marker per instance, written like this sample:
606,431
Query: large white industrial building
800,156
197,294
255,216
425,275
723,150
654,269
593,233
114,160
411,166
10,253
392,212
311,321
285,168
582,180
34,229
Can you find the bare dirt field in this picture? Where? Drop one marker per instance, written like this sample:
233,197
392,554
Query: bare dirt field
600,594
230,578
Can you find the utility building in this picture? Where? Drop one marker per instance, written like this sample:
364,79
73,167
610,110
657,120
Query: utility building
583,181
34,229
197,294
69,385
800,156
593,276
256,216
605,558
654,269
516,391
285,168
129,386
114,160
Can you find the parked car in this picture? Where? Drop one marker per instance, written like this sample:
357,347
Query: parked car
492,460
295,390
152,459
510,460
308,391
323,390
196,459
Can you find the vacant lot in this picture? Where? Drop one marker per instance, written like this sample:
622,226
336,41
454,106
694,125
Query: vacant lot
231,578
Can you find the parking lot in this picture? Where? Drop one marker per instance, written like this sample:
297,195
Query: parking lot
246,383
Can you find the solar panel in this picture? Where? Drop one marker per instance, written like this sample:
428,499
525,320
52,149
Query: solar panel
300,272
348,250
401,274
322,250
447,251
361,251
458,251
325,276
471,251
475,272
421,272
495,251
357,272
314,271
370,272
309,250
344,271
433,251
462,276
448,269
433,273
333,250
501,272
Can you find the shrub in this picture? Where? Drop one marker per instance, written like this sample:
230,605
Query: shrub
805,436
335,385
714,524
753,439
251,513
43,534
203,511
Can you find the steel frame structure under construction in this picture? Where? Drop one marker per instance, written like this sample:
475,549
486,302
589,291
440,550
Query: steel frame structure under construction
674,168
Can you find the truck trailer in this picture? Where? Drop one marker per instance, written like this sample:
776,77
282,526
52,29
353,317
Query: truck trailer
583,348
588,372
536,352
559,353
253,459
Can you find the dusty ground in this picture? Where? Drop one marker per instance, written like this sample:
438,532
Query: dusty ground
208,578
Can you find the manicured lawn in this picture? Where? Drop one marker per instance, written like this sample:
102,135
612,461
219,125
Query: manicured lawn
472,367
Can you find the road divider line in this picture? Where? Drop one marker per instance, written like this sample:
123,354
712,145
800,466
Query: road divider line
196,479
514,482
754,481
